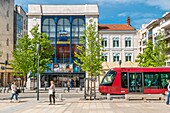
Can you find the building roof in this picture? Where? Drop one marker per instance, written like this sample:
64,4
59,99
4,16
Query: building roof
87,9
166,14
116,27
153,23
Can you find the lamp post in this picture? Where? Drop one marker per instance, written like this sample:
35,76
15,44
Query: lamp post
120,62
6,62
38,48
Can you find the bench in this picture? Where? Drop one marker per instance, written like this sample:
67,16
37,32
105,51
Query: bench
144,97
154,97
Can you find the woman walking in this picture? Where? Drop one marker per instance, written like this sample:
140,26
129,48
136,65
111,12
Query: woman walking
68,85
14,91
52,93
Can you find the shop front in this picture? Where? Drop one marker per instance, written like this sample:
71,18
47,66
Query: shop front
60,79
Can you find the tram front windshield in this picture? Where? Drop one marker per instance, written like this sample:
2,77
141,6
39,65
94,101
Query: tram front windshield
108,79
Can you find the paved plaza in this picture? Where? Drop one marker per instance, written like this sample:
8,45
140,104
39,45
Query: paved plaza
75,104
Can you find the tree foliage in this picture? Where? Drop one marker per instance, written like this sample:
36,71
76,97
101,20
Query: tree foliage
21,54
154,56
90,50
25,54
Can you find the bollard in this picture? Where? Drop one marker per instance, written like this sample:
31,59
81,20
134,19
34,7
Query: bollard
7,90
80,88
64,90
3,90
60,96
76,90
23,89
108,96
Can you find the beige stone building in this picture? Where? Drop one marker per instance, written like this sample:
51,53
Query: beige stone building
6,38
120,44
6,29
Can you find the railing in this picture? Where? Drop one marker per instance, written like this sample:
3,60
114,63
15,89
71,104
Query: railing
62,60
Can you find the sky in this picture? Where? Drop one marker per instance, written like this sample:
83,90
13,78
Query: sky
116,11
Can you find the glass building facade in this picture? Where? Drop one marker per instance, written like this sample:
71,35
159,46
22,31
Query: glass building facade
64,25
18,26
64,33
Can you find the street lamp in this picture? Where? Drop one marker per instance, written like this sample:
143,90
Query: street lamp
120,62
6,62
38,48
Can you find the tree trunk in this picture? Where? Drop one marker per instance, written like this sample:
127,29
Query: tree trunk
99,81
91,88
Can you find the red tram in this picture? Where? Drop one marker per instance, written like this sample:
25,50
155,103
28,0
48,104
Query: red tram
135,80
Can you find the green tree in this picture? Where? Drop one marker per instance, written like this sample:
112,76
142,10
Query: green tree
153,56
46,52
21,55
160,51
90,51
25,54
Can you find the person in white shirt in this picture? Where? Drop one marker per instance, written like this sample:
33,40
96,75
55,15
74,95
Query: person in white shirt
52,93
14,91
167,101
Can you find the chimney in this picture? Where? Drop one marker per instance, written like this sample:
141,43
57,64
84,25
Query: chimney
128,20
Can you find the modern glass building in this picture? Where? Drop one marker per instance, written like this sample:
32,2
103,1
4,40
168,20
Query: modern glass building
64,25
20,23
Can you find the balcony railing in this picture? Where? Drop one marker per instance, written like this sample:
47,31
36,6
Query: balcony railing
167,34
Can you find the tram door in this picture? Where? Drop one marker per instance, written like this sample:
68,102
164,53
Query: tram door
135,84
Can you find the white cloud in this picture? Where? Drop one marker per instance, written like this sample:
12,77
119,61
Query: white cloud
163,4
136,14
122,14
115,1
138,23
139,18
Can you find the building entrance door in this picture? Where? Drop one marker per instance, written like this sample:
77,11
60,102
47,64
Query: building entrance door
135,82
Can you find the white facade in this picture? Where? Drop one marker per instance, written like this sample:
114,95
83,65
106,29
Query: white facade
121,51
35,12
152,29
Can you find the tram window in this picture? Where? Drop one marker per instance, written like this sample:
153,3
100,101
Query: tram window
109,78
164,77
124,80
151,80
156,80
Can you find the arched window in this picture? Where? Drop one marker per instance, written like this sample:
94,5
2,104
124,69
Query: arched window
63,39
48,27
77,29
63,25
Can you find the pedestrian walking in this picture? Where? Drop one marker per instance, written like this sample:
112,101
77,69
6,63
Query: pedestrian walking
68,85
45,84
14,91
52,93
167,101
71,83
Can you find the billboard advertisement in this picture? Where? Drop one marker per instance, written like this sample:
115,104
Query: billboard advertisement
62,67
